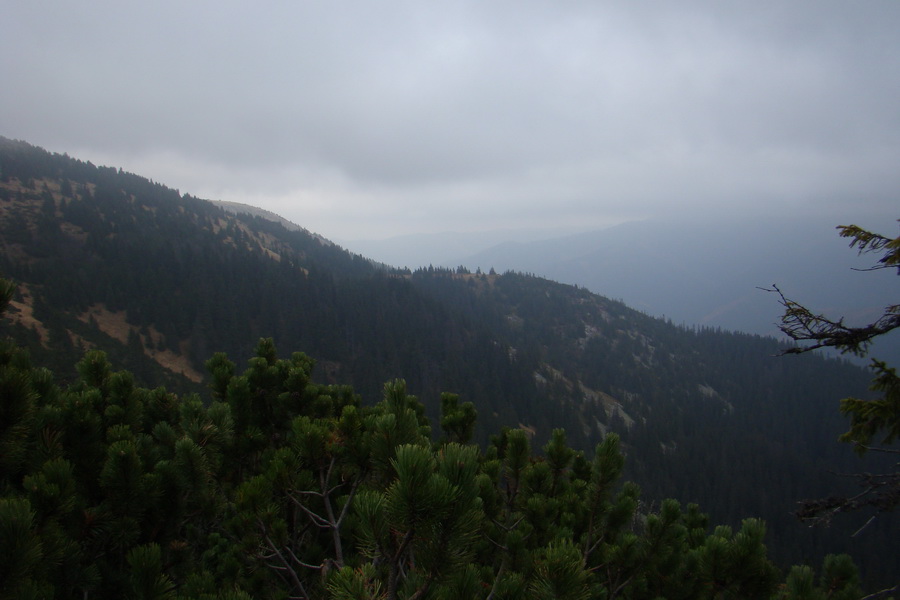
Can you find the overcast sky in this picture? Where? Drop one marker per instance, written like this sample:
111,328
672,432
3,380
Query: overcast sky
372,119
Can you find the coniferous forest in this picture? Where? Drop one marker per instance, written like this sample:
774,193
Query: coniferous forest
528,442
281,487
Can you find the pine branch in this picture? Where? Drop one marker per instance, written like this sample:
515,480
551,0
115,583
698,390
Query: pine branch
802,325
317,519
878,449
896,588
880,491
865,525
294,577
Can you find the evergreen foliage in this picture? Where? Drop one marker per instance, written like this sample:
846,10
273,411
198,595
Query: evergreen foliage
284,488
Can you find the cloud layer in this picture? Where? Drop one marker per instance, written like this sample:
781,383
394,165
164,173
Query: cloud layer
361,119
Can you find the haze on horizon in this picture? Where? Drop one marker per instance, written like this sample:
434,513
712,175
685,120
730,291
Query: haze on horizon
370,120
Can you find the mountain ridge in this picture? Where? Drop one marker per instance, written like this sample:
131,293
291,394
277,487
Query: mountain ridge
705,415
696,273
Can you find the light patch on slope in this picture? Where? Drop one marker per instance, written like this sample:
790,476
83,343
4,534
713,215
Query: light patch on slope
21,312
115,325
707,391
710,393
611,405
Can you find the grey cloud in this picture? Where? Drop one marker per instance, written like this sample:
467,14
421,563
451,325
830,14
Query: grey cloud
465,110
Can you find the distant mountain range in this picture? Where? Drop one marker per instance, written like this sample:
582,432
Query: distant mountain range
161,281
694,271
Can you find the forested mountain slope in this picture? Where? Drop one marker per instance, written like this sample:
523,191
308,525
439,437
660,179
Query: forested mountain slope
183,278
707,270
161,281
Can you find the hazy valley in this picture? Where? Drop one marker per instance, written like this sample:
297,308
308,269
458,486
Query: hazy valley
161,281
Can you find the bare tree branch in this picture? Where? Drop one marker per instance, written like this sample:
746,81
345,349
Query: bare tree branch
802,325
896,588
880,491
